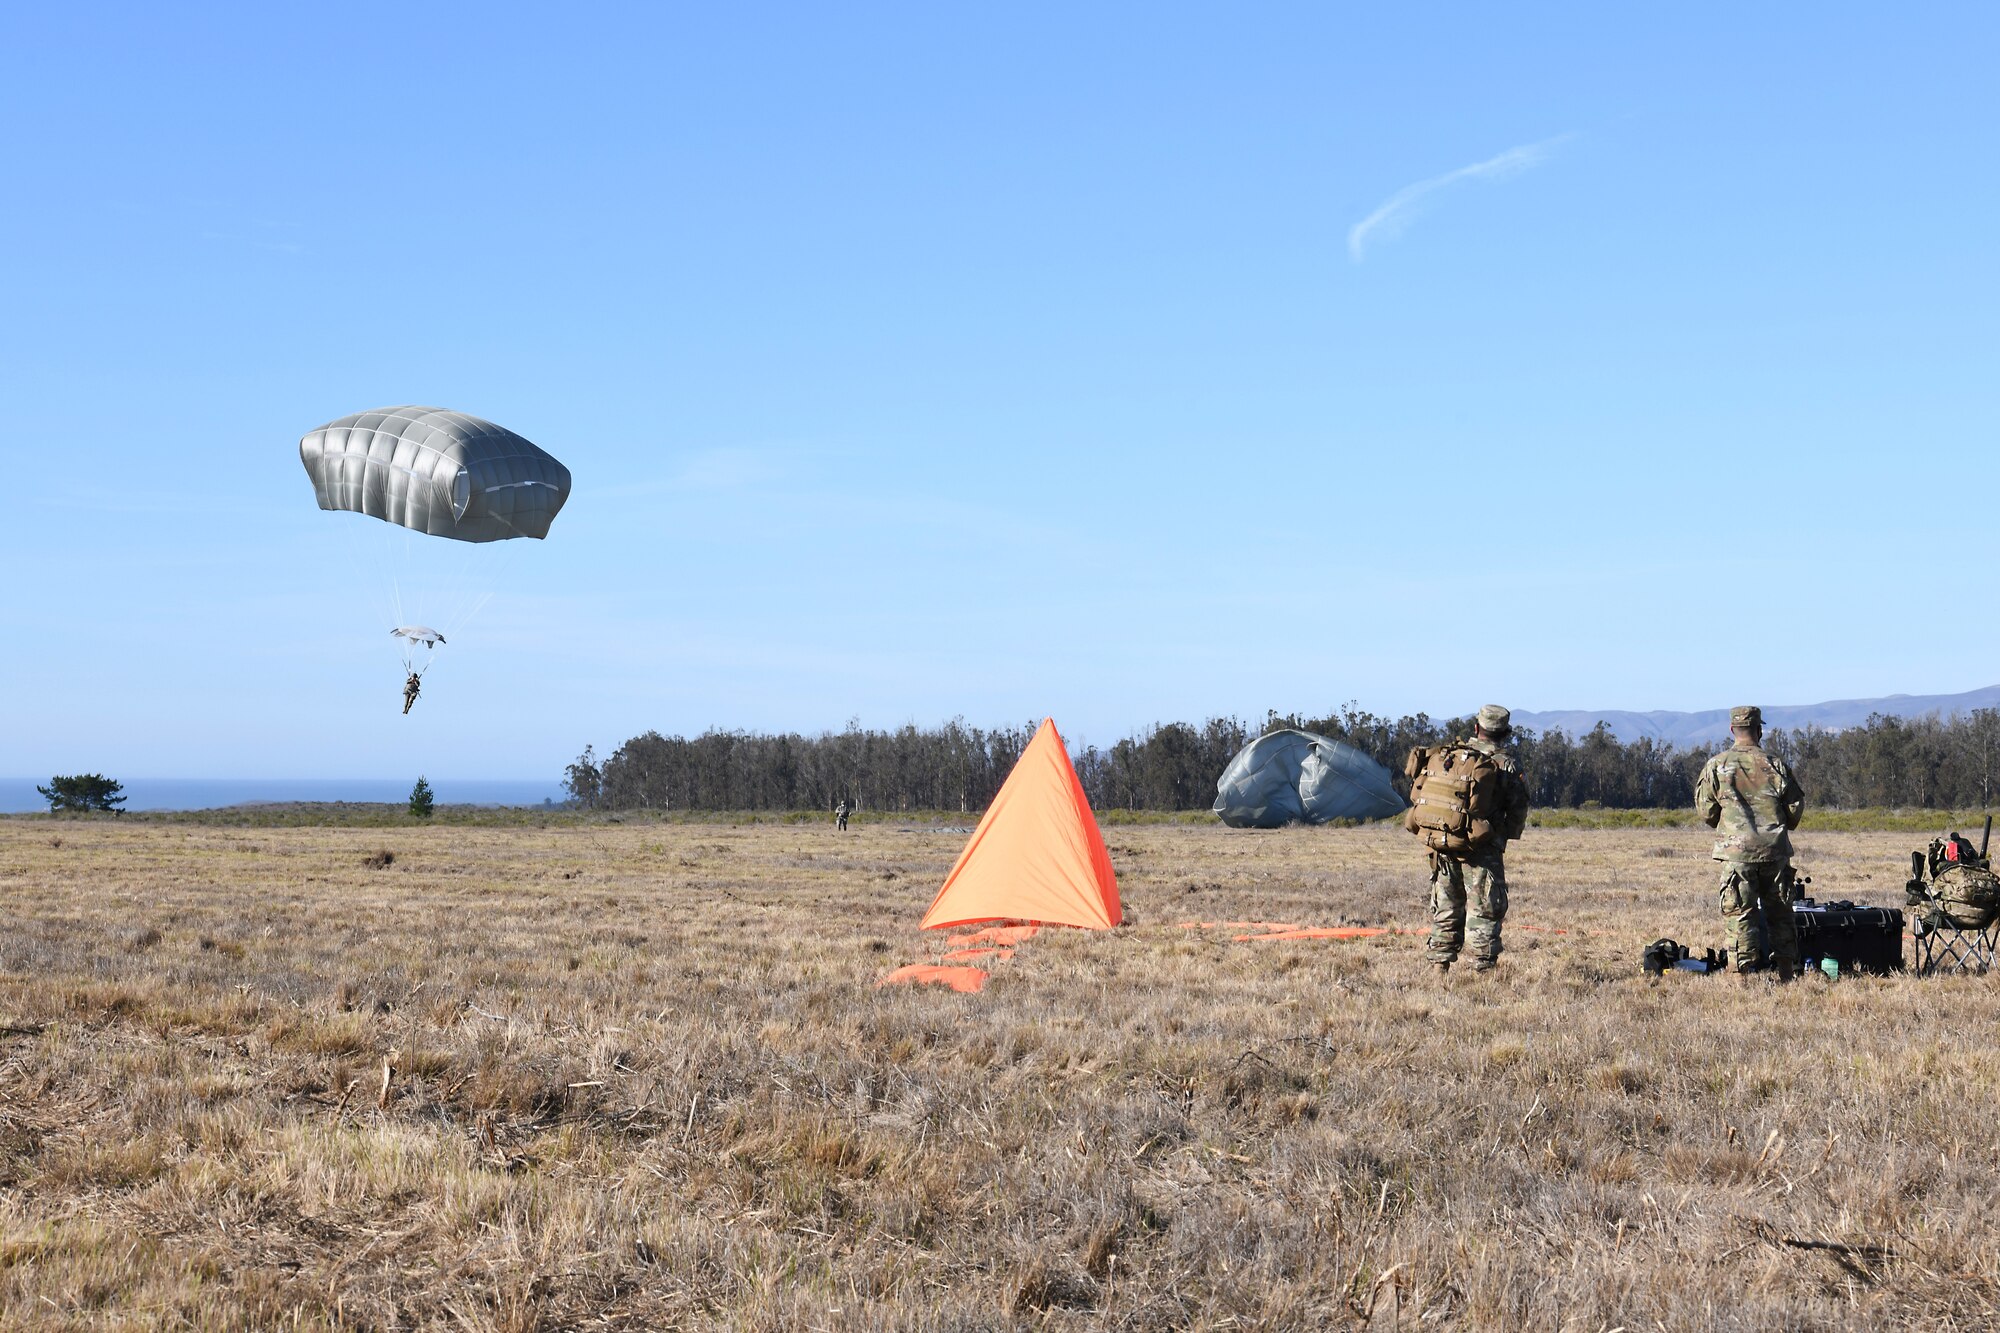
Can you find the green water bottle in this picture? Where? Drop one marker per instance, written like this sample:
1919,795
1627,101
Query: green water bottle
1830,966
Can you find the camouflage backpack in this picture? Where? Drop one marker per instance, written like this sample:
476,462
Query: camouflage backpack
1454,798
1969,896
1957,885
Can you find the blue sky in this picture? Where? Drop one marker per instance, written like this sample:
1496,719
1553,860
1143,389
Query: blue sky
1122,363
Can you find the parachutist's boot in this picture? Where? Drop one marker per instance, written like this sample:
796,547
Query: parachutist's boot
1441,968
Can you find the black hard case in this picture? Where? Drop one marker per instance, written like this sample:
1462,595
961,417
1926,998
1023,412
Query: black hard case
1858,937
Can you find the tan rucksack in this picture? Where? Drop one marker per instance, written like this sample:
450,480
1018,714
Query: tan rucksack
1968,895
1454,798
1951,884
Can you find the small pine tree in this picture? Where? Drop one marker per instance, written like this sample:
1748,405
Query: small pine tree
83,792
421,799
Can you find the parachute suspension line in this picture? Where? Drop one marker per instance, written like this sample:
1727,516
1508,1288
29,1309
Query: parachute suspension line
371,557
471,611
396,568
494,559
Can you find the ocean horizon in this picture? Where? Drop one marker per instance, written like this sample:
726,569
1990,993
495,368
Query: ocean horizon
18,795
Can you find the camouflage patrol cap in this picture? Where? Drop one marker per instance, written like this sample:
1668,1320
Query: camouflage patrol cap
1495,721
1746,715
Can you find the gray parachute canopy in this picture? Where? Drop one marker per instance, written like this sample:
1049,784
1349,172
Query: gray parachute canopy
439,472
1292,776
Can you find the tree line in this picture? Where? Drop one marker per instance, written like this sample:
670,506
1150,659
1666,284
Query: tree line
1928,762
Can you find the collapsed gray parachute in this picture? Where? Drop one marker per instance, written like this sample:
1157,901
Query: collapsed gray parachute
1292,776
442,473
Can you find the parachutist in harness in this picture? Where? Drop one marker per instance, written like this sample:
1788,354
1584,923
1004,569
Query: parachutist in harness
416,636
477,485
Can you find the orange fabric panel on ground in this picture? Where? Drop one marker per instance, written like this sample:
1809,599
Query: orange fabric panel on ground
996,935
967,979
1036,855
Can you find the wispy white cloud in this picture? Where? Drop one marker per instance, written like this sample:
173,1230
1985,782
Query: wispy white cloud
1398,210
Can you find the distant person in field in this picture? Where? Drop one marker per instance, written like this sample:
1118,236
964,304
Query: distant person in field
1753,803
1469,802
840,814
411,688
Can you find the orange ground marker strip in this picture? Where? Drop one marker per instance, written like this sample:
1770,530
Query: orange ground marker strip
966,979
997,954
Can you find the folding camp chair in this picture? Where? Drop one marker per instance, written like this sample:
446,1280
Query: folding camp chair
1942,949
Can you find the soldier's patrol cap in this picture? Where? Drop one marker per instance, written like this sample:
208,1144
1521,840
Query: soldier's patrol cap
1746,715
1495,721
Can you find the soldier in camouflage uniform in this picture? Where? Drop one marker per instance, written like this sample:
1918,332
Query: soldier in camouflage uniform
1469,892
1752,801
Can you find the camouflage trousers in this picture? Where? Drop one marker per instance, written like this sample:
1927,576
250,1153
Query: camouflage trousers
1762,932
1468,903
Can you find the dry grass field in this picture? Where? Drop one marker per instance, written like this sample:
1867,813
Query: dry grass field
639,1077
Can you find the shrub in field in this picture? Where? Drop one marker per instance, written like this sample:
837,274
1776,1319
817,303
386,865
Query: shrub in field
421,799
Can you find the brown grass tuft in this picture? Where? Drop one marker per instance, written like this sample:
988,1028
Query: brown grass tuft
1046,1285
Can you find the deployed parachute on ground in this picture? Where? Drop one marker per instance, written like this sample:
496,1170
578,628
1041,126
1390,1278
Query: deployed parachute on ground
430,473
1296,776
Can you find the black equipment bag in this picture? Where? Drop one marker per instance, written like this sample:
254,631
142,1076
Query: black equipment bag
1858,937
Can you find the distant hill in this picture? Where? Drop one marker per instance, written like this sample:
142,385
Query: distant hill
1711,726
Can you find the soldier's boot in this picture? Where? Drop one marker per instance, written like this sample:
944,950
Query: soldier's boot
1440,968
1485,964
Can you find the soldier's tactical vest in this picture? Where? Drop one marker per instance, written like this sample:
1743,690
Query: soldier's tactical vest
1454,798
